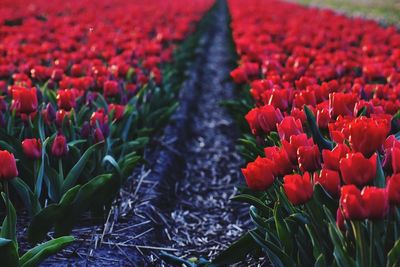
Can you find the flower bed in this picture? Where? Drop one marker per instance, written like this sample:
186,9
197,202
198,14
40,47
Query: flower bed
323,173
82,90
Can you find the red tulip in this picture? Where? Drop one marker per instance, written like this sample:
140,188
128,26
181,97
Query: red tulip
268,117
309,158
289,126
32,148
298,189
376,202
118,111
358,170
8,166
296,141
283,165
331,158
98,136
341,104
66,99
24,100
251,118
352,203
60,115
59,147
367,135
395,153
98,116
323,118
259,174
110,88
393,188
329,180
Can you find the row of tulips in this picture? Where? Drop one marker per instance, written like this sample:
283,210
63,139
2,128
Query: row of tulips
82,89
323,176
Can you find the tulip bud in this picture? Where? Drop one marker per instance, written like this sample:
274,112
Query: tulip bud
8,166
309,158
331,158
352,203
32,148
376,202
329,180
289,126
340,220
59,147
110,88
98,136
298,189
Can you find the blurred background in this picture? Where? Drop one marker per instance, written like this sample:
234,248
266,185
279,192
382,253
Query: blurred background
385,10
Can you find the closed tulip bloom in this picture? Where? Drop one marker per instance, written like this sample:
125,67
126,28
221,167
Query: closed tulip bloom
283,165
251,118
367,135
393,188
118,111
289,126
59,147
331,158
8,166
352,204
32,148
98,135
323,118
296,141
24,100
342,104
358,170
329,180
376,202
298,189
66,99
98,116
259,174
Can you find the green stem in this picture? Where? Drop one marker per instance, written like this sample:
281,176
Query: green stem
371,242
8,209
356,225
60,173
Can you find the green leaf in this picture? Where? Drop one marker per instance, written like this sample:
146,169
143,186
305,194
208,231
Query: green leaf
39,180
320,262
282,230
8,253
318,138
252,200
236,252
393,256
380,180
342,257
8,229
75,172
277,257
35,256
30,200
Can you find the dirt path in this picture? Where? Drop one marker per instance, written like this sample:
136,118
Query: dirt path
181,204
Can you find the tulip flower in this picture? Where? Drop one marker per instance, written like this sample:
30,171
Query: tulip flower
298,189
268,117
98,135
32,148
352,204
59,147
283,165
341,104
66,99
367,135
118,111
296,141
331,158
340,220
24,100
259,174
395,154
393,188
289,126
330,181
309,158
8,166
98,116
110,88
358,170
376,202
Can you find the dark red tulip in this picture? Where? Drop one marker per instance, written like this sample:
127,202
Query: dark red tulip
342,104
298,189
367,135
59,147
376,202
110,88
340,220
309,158
24,100
296,141
395,153
259,174
358,170
352,204
8,166
98,116
66,99
98,135
283,165
329,180
32,148
393,188
117,110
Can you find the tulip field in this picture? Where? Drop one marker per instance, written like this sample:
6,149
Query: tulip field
197,133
